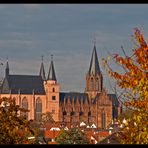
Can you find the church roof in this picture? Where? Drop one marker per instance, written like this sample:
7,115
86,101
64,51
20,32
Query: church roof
73,95
112,97
84,96
26,84
94,64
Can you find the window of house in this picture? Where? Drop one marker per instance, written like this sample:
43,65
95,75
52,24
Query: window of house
53,97
53,89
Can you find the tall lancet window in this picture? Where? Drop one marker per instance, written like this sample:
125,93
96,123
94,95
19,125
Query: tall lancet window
91,84
103,119
25,106
97,84
38,109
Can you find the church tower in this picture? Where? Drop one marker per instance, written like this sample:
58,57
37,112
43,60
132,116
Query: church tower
52,92
94,79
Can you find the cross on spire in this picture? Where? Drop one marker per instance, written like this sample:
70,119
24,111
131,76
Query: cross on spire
42,57
94,40
51,74
51,57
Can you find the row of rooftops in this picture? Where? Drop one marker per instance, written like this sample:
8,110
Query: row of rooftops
52,130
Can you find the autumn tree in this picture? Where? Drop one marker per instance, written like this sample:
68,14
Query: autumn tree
72,136
14,129
133,81
47,118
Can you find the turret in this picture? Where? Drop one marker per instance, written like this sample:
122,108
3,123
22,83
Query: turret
7,68
51,74
42,71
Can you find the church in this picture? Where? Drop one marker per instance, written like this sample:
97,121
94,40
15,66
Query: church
39,94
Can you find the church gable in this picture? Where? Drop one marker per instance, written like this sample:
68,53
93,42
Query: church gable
77,105
68,105
104,100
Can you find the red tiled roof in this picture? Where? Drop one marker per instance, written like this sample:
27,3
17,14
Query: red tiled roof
52,142
96,135
90,134
103,134
51,134
50,125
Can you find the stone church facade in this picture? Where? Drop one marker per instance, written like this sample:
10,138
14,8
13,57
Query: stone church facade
39,95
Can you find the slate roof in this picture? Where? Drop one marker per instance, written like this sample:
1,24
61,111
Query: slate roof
51,74
42,72
79,96
71,95
25,83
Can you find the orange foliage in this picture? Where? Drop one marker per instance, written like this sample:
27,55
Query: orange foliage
134,83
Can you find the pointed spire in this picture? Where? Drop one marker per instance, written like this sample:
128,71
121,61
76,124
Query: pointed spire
42,71
51,74
94,64
7,68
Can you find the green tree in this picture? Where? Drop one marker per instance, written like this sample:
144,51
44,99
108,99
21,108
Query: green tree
72,136
14,129
133,82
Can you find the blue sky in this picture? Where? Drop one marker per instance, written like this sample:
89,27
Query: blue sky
28,31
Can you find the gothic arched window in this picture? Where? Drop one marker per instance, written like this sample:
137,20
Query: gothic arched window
91,84
97,84
89,116
38,109
103,119
25,106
